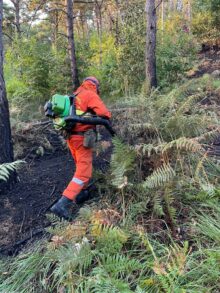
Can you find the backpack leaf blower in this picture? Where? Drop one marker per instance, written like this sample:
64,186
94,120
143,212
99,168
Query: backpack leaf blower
64,114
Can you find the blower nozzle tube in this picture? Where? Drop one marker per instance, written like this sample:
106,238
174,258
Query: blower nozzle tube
91,121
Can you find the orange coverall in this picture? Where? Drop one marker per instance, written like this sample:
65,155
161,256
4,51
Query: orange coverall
86,99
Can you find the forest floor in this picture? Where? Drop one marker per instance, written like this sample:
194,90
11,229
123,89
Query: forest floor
42,180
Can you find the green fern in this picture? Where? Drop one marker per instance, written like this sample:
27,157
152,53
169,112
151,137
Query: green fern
157,201
160,176
109,240
103,282
147,149
183,143
187,125
209,135
7,168
146,127
120,265
189,102
122,161
170,209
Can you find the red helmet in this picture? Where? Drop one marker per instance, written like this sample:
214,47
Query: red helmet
94,80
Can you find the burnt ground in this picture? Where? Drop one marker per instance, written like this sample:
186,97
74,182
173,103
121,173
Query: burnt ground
48,170
209,62
41,182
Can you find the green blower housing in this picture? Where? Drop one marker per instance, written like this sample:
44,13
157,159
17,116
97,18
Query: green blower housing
58,108
61,105
63,112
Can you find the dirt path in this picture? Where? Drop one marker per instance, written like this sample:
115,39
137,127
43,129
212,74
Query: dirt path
24,206
41,183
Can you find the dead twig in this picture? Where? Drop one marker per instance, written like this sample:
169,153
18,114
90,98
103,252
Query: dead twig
47,208
22,223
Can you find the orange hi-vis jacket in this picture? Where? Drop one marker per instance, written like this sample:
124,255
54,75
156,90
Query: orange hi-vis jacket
87,100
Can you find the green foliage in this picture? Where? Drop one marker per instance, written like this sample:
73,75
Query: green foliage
7,168
167,136
132,50
33,72
210,8
121,162
110,240
176,51
208,222
100,60
24,271
172,186
160,176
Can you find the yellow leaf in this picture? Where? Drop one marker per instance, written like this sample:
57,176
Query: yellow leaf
159,269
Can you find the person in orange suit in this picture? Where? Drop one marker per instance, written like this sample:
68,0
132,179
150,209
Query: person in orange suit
87,101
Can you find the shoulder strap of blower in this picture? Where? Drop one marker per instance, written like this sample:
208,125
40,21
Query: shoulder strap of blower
73,117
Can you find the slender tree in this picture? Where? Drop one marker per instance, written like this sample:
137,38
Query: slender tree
71,42
17,23
6,149
151,75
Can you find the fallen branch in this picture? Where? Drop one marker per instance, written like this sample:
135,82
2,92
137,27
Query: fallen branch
12,249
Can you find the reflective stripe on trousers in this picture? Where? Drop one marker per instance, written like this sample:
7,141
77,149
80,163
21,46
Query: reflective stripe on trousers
83,160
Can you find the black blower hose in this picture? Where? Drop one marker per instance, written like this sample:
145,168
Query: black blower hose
91,121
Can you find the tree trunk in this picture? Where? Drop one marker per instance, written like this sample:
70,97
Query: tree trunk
189,11
117,23
17,17
71,43
171,5
6,149
151,76
162,19
98,11
16,4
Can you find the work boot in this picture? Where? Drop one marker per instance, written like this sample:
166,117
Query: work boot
61,208
83,196
86,194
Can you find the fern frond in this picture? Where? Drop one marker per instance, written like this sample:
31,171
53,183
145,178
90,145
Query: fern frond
160,176
70,257
109,239
103,282
142,126
158,205
122,161
147,149
7,168
209,136
186,105
183,143
120,265
169,200
187,125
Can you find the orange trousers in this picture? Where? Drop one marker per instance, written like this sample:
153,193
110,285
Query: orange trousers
83,160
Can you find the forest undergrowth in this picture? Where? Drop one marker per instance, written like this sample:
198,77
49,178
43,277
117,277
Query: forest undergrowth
156,227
